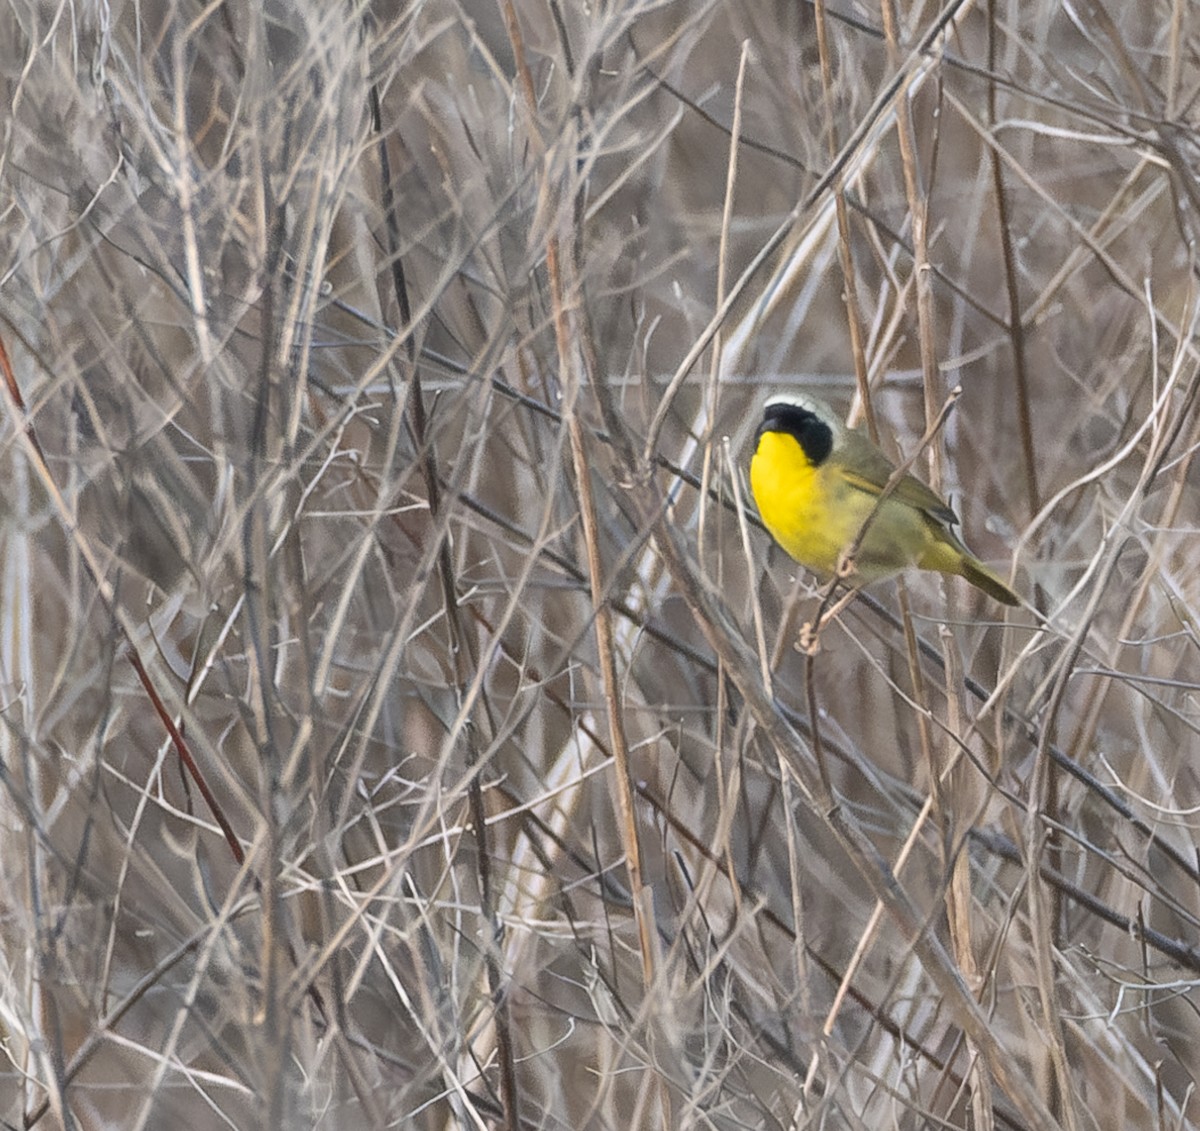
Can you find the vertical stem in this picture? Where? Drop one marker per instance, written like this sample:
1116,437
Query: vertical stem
845,252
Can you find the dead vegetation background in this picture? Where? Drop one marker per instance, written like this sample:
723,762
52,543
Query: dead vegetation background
401,720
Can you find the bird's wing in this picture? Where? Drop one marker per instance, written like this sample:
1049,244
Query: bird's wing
872,470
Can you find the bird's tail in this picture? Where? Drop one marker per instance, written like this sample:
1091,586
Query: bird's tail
983,578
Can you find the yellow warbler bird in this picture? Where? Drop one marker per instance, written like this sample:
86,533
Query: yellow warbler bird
816,483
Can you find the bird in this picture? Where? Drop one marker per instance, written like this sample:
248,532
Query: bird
816,483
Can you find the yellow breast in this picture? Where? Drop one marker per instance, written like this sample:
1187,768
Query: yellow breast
815,514
812,514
